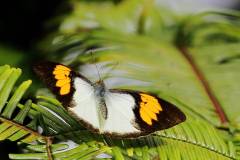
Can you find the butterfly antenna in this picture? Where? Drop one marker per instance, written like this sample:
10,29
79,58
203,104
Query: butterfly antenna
113,67
94,61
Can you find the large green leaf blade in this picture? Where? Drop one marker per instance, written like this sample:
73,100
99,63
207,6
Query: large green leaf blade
221,66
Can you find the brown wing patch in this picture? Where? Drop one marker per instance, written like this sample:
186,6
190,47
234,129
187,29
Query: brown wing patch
63,81
149,108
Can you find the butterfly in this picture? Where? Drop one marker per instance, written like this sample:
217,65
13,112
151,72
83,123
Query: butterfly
116,113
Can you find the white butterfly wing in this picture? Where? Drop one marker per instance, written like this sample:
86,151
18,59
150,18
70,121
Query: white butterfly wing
120,117
84,103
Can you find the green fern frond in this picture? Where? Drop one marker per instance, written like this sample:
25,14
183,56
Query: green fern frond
62,152
197,136
14,127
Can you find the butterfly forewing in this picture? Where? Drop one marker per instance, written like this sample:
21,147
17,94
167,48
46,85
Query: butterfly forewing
84,106
72,89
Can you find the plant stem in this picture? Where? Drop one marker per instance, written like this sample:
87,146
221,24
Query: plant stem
48,147
205,84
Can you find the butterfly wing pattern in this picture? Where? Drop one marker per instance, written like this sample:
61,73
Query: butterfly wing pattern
145,113
73,90
127,114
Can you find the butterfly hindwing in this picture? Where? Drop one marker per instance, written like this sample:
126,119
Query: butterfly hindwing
121,118
145,113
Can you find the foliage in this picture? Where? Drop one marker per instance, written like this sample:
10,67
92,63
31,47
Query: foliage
22,127
189,60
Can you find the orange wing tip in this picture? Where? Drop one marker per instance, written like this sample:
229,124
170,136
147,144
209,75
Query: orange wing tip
61,72
65,89
56,72
61,67
149,113
154,109
60,76
62,82
145,117
149,107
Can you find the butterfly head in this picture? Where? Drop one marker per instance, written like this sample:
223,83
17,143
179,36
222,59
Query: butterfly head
100,88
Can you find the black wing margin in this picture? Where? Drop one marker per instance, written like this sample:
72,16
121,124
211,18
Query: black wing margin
166,117
46,71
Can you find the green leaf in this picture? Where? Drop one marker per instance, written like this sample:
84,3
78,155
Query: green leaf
222,75
14,130
14,127
5,91
23,113
12,104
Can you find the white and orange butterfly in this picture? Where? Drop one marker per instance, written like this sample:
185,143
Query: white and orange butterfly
112,112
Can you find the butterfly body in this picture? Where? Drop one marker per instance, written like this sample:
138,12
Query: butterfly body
100,91
112,112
